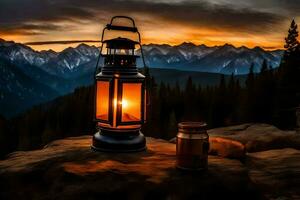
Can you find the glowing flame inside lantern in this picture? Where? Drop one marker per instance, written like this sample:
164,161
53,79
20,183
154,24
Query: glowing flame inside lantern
124,103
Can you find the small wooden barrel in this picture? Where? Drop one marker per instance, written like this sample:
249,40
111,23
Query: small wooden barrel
192,146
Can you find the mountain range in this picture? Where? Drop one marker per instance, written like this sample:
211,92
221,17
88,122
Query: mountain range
225,59
30,77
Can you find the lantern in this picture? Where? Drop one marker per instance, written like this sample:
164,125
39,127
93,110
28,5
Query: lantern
120,95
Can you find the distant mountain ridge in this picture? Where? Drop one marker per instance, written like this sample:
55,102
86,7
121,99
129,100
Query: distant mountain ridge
62,64
30,77
74,62
225,59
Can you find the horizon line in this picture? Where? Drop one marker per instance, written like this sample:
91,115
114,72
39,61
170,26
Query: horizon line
65,42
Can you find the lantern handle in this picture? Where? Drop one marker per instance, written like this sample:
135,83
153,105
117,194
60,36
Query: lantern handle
120,28
124,17
110,26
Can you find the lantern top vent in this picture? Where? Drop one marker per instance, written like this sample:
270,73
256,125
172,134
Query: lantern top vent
120,43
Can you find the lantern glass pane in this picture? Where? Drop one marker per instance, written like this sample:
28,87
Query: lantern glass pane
102,100
131,102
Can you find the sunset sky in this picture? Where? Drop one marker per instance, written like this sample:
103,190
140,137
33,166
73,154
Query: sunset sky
212,22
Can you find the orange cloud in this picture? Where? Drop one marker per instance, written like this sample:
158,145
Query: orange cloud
173,22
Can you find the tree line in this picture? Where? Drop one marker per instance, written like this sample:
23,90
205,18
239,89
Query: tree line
270,96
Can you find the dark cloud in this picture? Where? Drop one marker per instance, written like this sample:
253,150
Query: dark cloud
292,5
61,42
191,13
271,48
220,17
201,13
289,8
28,29
19,11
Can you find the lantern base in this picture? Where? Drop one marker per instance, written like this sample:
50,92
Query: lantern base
119,142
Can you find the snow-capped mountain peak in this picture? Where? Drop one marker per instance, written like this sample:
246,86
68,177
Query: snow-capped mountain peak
225,59
22,53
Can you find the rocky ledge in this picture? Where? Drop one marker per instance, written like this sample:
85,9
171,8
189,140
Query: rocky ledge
69,169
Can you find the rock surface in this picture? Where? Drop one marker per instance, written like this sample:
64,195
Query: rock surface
68,169
258,137
276,172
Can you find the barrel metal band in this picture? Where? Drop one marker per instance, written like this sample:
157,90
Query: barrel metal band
192,136
192,131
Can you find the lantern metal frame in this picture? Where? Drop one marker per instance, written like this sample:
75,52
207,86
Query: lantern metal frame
112,138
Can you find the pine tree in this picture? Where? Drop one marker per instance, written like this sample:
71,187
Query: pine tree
172,126
222,85
219,108
291,40
250,77
264,69
289,81
178,102
163,117
231,84
232,99
190,102
147,75
249,100
265,93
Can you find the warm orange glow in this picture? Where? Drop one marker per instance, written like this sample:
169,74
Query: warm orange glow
115,102
161,33
102,100
123,103
131,102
